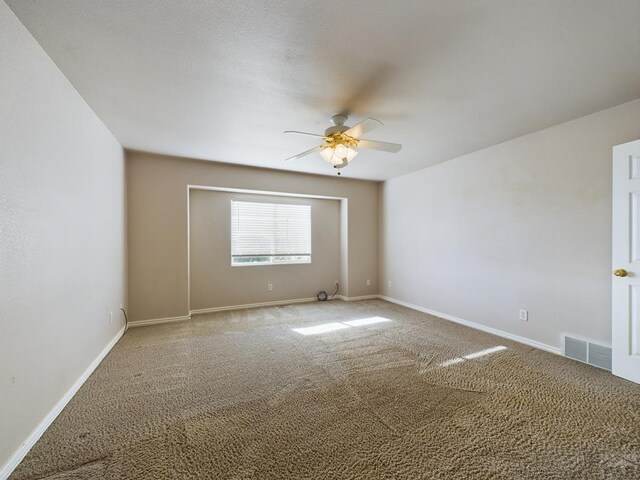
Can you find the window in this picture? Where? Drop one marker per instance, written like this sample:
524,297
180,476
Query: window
270,233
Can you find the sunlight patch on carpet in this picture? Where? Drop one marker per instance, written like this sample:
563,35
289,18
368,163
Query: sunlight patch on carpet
330,327
471,356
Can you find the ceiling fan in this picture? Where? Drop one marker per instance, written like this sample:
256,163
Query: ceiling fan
340,142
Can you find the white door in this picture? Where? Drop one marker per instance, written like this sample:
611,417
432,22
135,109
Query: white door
626,261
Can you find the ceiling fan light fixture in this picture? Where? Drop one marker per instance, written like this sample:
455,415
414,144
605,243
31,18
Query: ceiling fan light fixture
336,155
327,154
351,153
340,141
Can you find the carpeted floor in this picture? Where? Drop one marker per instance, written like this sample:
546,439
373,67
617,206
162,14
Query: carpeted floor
240,395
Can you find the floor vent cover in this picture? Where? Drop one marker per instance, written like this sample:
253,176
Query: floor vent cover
587,352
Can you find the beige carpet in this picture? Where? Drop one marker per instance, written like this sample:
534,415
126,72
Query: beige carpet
242,395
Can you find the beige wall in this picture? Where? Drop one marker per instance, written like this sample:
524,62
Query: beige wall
215,283
62,241
157,225
525,224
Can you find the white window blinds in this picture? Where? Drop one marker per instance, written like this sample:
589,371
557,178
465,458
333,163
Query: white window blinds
270,233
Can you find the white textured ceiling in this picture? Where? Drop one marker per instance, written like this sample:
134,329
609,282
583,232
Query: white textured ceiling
221,80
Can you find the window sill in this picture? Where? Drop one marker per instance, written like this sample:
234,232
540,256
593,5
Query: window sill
268,264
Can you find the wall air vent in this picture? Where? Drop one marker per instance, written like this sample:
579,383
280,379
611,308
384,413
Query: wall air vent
587,352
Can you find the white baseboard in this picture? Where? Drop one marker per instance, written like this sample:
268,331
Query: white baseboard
157,321
254,305
33,437
477,326
355,299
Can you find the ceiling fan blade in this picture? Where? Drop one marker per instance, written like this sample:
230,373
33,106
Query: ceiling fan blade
384,146
304,133
304,154
365,126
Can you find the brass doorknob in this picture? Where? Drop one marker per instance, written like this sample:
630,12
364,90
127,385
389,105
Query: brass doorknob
620,272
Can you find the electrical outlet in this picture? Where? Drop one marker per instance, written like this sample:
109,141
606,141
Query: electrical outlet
110,316
368,282
270,287
524,315
389,283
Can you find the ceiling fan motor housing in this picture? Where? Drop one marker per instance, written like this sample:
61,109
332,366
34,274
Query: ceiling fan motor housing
338,125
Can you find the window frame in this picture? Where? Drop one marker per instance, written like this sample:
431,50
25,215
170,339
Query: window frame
263,264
